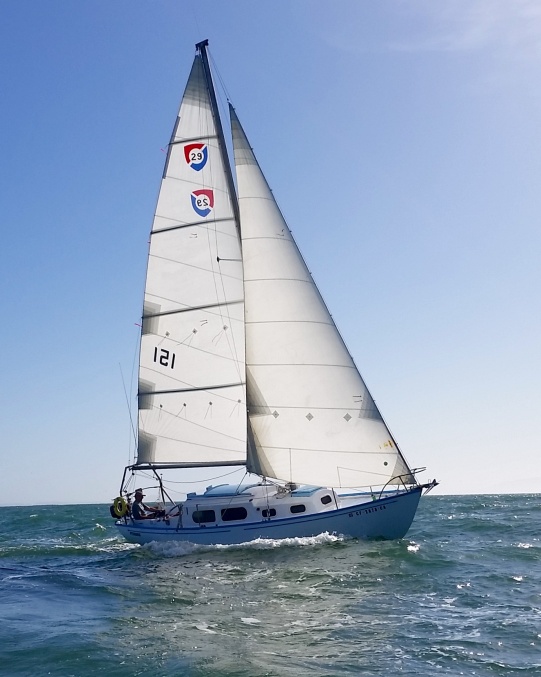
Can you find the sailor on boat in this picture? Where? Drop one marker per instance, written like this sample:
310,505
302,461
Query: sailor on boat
141,511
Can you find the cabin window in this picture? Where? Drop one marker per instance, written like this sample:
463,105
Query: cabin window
201,516
269,513
231,514
298,508
326,499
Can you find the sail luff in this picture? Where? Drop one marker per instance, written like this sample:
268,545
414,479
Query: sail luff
311,417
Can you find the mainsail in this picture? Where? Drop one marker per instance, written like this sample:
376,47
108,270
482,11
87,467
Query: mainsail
311,417
192,406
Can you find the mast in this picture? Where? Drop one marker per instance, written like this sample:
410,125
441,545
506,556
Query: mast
202,49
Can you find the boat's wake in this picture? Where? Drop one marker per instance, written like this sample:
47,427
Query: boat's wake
179,549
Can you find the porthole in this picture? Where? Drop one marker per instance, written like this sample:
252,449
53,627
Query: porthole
202,516
326,499
232,514
298,508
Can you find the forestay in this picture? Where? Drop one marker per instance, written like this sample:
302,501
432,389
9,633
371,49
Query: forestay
311,417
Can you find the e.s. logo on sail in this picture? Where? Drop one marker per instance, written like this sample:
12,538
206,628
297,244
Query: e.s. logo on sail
202,201
196,155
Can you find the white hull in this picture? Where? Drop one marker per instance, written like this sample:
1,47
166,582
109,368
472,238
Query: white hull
387,518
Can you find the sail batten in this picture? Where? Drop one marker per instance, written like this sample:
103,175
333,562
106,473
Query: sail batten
192,309
188,139
189,390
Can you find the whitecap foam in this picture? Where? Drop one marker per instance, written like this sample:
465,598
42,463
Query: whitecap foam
182,548
203,627
174,548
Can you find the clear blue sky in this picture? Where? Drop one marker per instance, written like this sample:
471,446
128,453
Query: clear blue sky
402,141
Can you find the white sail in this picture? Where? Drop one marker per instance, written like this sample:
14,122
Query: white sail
311,417
192,407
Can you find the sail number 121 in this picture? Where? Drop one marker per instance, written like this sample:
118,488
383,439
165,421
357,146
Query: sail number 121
164,357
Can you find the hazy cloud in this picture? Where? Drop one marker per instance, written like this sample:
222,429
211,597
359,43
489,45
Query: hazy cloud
467,25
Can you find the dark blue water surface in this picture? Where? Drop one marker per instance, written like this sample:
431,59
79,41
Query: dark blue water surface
461,595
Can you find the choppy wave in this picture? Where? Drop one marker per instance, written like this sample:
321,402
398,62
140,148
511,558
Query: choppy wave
459,595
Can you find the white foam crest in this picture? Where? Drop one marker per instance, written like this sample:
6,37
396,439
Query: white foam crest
270,543
182,548
174,548
112,544
203,627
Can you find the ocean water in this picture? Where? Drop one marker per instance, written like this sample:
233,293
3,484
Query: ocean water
460,595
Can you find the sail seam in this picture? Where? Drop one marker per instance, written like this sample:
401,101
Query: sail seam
335,451
187,225
304,408
279,279
328,324
206,446
263,198
203,427
278,238
184,263
297,364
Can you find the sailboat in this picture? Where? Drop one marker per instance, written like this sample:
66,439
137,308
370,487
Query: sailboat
241,364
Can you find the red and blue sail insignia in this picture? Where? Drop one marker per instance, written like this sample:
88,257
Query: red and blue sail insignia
202,201
196,155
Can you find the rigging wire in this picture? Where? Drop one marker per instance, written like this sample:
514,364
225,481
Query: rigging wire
127,403
218,75
234,495
135,364
208,479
